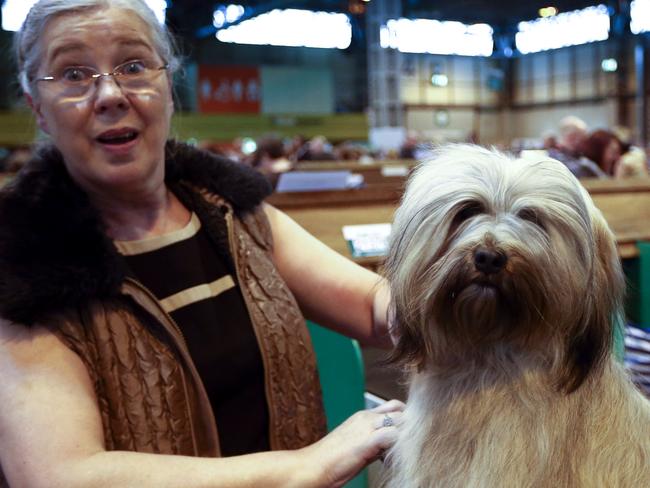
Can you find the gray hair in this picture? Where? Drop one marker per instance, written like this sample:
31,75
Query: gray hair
28,54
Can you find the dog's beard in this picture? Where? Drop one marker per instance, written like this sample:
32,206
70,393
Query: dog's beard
477,311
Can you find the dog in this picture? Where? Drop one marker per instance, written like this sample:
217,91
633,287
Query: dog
505,284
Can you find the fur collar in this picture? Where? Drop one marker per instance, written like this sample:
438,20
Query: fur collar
54,252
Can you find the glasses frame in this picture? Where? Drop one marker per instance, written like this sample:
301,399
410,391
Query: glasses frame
97,75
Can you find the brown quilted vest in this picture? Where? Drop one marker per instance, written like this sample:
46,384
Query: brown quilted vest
149,393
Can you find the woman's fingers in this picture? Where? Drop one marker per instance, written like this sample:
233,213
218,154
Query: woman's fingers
358,441
390,406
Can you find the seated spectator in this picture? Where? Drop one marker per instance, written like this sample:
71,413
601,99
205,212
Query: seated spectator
603,148
317,149
549,141
295,147
16,160
573,132
633,163
270,158
351,151
409,147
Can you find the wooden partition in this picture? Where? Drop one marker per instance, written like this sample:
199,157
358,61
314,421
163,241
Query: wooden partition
377,172
325,213
624,203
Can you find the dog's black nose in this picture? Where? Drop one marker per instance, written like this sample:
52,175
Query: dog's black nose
488,261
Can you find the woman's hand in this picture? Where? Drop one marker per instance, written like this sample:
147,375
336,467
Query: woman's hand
358,441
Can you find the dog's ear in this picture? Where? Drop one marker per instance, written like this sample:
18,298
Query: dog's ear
592,338
410,345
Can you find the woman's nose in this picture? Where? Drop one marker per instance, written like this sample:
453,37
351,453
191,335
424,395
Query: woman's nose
109,94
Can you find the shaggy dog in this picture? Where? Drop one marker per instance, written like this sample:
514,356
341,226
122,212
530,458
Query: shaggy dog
505,285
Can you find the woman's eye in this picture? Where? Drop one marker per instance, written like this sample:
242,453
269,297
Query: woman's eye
132,68
75,74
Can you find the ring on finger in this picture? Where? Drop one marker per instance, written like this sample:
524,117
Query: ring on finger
387,421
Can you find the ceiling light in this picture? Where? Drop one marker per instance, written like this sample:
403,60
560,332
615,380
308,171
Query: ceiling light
436,37
590,24
609,65
439,80
547,11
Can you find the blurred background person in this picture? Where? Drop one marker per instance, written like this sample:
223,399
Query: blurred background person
603,148
633,163
572,136
270,158
318,148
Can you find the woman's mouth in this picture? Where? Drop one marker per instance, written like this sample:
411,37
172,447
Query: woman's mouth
117,137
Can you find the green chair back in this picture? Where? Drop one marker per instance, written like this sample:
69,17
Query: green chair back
342,378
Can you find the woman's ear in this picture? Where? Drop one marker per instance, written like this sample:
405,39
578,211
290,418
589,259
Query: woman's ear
36,109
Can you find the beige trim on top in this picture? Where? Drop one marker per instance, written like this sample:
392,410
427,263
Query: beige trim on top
197,293
132,248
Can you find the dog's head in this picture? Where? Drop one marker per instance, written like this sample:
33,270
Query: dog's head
491,253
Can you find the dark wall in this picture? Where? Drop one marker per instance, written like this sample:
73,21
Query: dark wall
9,90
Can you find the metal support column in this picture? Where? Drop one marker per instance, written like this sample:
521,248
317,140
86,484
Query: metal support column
384,67
641,90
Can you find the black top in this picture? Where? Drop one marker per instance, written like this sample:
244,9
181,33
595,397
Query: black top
195,287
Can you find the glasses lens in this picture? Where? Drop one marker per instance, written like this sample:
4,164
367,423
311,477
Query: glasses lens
136,76
79,81
74,81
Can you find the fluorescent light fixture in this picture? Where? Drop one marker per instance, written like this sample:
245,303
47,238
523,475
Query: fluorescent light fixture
15,11
292,27
227,14
567,29
439,80
640,14
437,37
547,11
609,65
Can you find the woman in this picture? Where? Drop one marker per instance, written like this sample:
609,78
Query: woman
615,158
149,324
603,148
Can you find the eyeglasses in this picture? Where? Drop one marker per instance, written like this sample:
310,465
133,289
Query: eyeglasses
76,81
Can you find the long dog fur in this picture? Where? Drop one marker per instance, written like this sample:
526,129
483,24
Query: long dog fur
512,378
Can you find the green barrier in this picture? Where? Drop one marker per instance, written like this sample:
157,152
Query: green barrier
644,284
637,300
342,379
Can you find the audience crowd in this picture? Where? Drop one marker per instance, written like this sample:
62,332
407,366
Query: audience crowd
598,153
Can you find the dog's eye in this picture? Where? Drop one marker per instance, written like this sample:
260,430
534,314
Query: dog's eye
530,215
469,210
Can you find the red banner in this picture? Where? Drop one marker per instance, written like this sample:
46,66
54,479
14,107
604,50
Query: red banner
229,89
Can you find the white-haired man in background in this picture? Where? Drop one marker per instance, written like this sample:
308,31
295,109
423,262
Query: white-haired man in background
573,133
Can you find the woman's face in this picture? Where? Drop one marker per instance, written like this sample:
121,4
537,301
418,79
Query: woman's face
112,140
611,155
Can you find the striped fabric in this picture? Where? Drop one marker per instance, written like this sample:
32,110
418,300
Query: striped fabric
637,356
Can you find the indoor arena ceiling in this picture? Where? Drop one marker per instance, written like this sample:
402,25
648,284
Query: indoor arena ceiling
500,13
